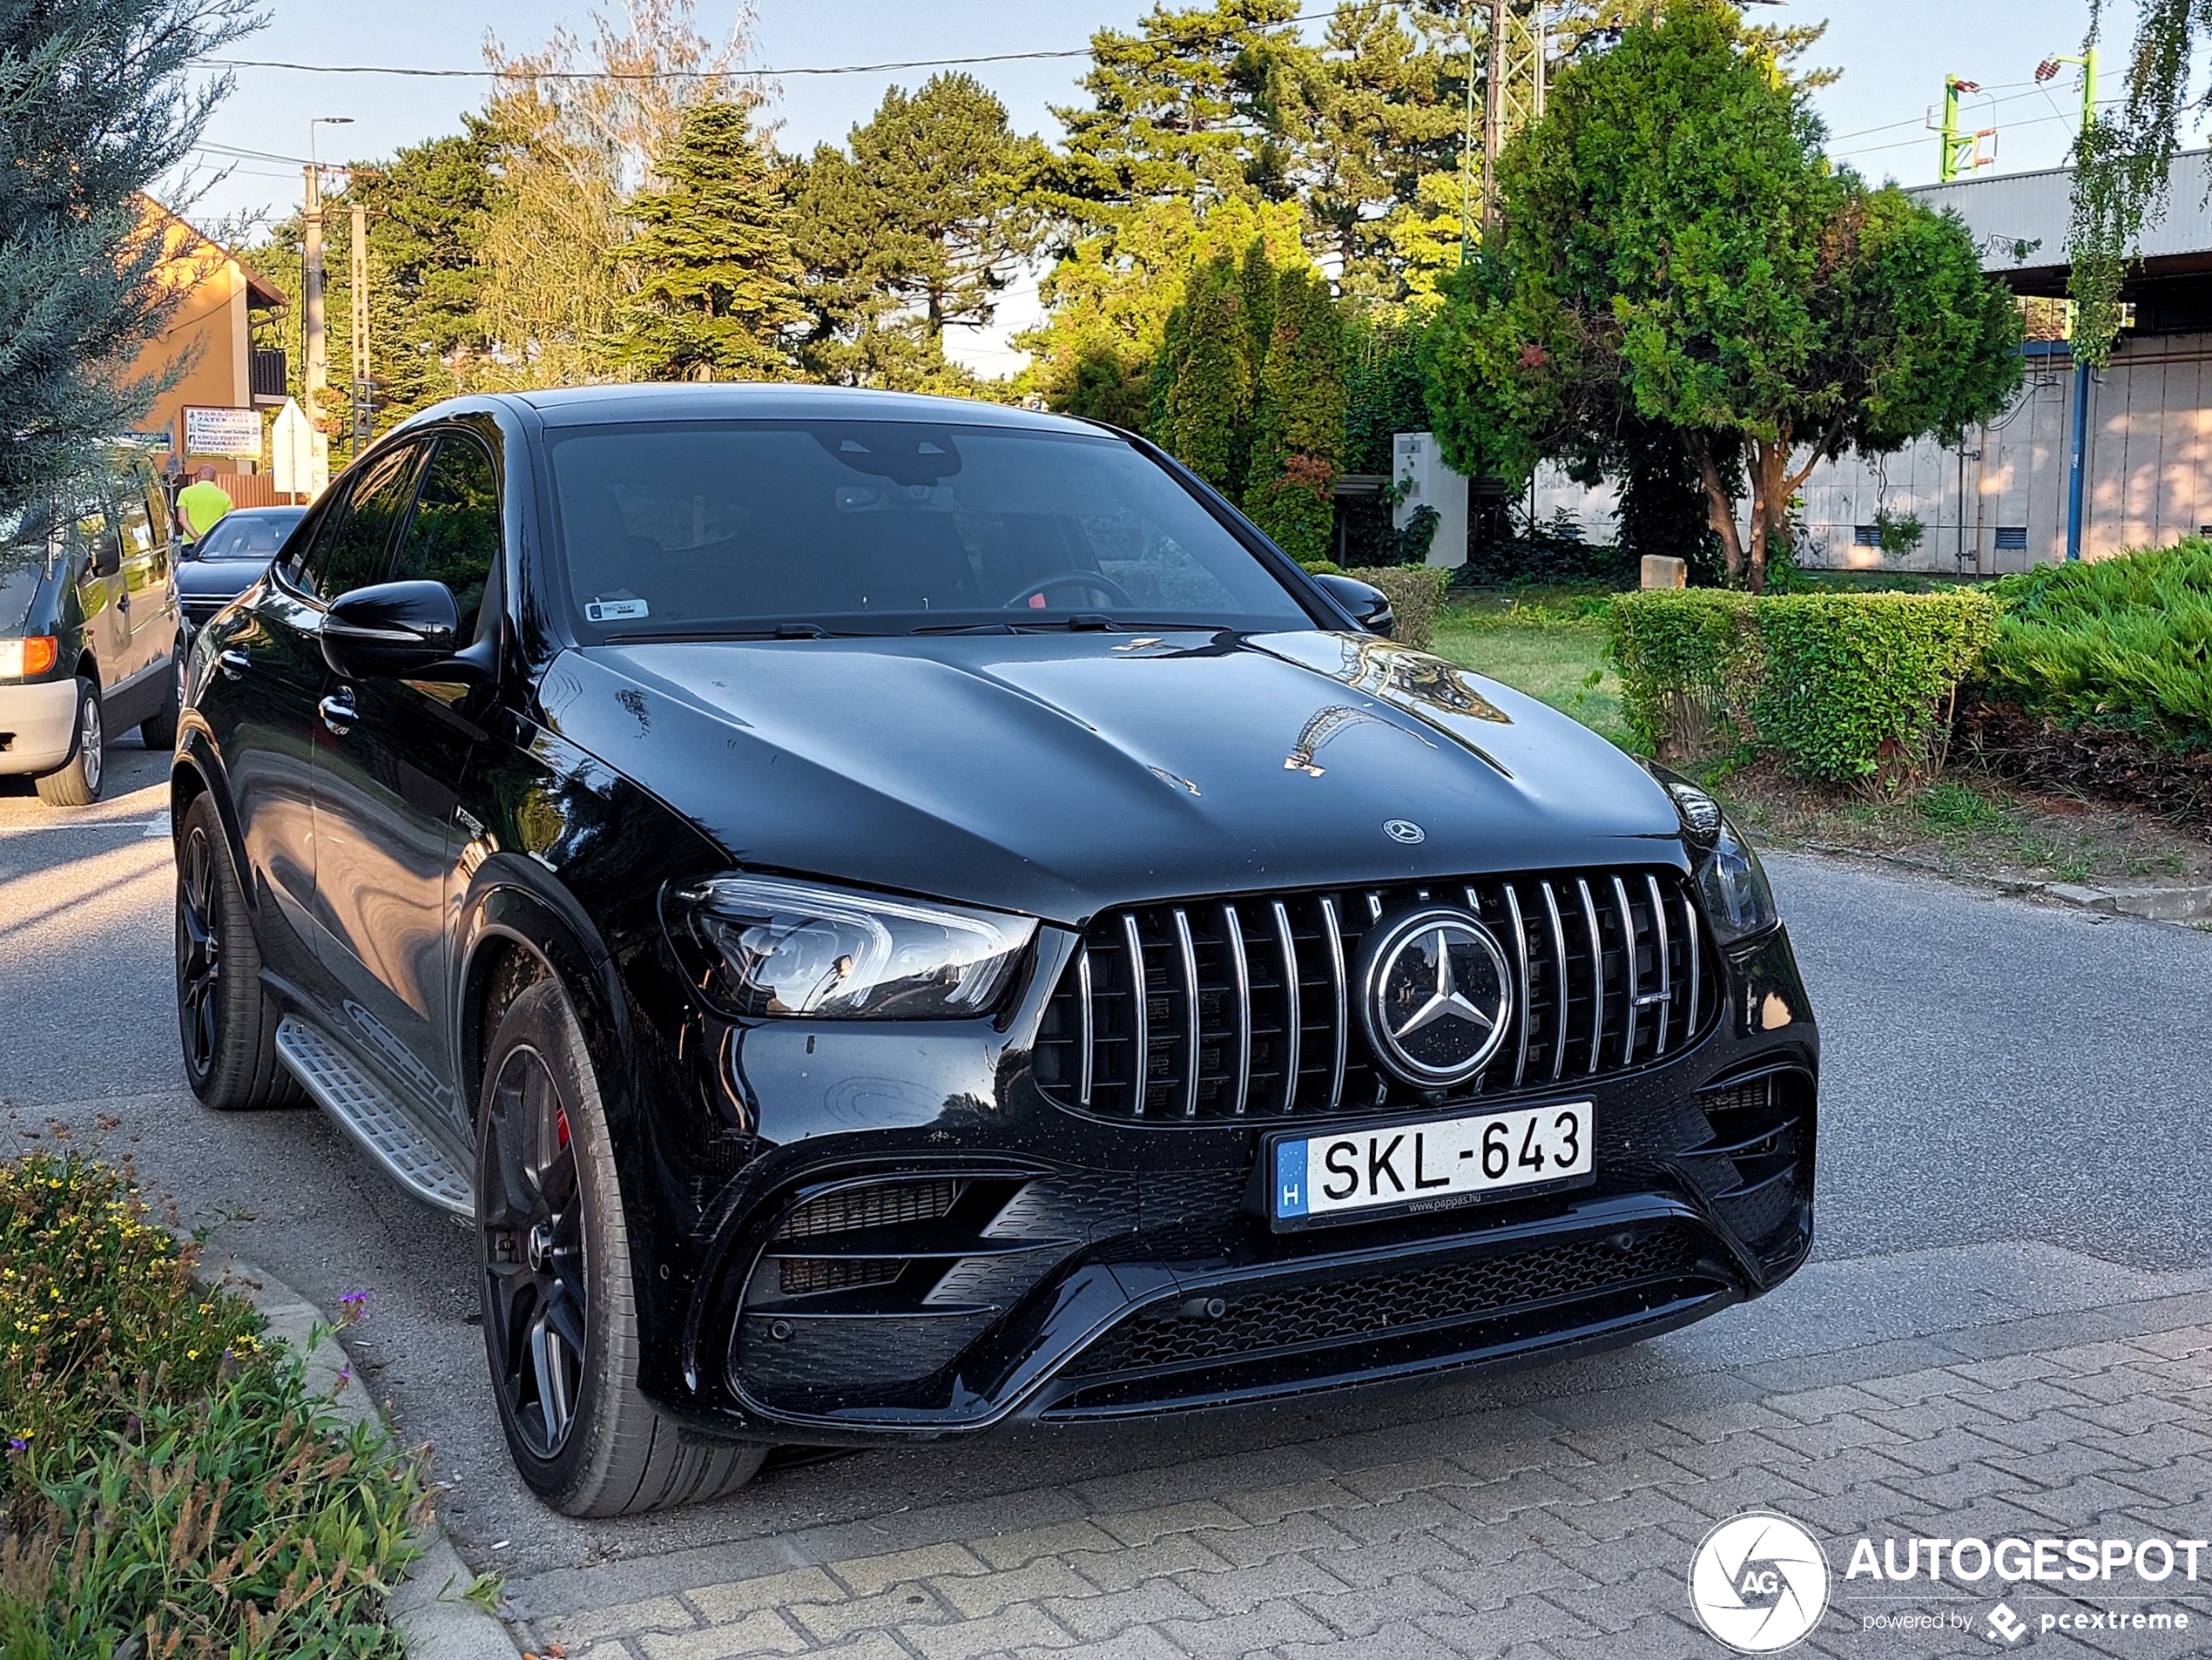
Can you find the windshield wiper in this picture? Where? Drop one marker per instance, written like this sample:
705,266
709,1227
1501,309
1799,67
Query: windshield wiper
781,632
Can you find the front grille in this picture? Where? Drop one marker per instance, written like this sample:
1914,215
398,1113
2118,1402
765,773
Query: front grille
884,1204
1235,1007
1371,1305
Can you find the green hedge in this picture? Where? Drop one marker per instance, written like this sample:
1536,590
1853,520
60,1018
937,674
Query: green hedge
1415,592
1839,687
2123,645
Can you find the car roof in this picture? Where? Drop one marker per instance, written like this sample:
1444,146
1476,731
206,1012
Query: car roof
719,401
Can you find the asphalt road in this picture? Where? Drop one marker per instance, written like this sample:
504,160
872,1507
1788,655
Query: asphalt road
2011,1120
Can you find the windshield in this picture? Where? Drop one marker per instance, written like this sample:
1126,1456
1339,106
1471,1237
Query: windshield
888,527
248,536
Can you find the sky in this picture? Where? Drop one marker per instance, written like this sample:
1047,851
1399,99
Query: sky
1894,55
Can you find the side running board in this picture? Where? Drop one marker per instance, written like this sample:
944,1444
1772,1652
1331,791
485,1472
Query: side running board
367,1114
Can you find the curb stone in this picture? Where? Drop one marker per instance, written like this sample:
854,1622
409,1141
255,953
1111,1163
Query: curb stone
429,1608
2180,905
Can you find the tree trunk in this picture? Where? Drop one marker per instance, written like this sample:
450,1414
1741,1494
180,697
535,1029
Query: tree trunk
1770,493
1720,506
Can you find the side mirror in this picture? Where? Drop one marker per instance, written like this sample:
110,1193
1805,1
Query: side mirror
1370,606
391,630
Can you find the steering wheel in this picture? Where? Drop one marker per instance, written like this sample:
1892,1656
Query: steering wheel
1090,580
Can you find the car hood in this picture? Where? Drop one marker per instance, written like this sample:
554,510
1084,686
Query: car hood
1061,774
218,578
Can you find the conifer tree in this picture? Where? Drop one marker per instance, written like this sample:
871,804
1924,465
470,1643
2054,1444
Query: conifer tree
98,98
717,282
1206,377
1298,420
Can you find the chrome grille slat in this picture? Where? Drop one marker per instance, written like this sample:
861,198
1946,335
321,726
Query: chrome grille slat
1088,1033
1332,936
1597,971
1226,1024
1194,1039
1293,1015
1520,963
1559,962
1141,997
1628,970
1241,988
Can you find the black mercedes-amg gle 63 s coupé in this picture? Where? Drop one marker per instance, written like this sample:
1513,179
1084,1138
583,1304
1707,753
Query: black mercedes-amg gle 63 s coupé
893,918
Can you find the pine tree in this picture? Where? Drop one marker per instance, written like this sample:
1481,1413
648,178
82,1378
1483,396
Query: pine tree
917,231
717,281
98,100
1299,419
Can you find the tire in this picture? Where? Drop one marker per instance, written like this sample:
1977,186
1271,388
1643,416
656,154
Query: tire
550,1236
158,732
226,1022
77,784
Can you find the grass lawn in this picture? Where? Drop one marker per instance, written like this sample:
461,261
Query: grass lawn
1543,650
1550,644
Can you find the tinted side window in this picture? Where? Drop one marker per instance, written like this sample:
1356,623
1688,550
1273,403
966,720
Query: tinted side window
354,544
454,535
140,539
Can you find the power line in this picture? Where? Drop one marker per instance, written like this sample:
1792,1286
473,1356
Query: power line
684,74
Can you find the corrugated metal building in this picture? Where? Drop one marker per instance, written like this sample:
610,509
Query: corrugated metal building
1998,501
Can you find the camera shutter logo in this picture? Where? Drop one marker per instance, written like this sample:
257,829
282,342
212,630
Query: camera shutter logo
1436,996
1759,1583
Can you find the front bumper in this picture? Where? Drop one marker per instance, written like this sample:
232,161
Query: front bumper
37,726
916,1241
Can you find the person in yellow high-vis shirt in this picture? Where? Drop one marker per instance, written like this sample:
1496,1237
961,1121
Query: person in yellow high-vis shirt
201,504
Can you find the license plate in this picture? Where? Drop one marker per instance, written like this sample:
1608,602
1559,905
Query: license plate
1355,1175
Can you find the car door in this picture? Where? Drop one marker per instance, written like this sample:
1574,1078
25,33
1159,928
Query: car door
268,678
96,555
146,576
390,757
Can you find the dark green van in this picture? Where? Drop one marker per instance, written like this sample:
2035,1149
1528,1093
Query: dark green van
91,637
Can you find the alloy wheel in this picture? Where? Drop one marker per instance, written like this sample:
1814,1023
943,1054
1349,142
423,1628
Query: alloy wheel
532,1223
200,950
88,743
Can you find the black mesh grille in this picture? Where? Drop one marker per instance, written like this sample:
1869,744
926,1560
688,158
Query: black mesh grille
1243,1007
881,1204
1340,1311
803,1276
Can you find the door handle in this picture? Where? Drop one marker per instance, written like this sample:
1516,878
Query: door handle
123,602
233,663
338,711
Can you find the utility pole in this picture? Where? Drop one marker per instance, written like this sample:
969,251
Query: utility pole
364,389
314,355
2077,477
1514,96
1961,151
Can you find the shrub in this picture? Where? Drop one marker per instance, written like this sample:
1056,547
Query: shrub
169,1488
1415,591
2121,645
1839,687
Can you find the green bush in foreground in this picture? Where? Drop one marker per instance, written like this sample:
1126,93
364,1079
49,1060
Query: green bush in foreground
166,1480
1415,592
2122,644
1840,687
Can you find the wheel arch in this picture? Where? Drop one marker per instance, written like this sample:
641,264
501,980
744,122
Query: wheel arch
194,772
512,935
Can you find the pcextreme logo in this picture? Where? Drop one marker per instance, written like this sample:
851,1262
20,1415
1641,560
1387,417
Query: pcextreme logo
1759,1583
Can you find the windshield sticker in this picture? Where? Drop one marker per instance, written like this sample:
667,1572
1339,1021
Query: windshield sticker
615,610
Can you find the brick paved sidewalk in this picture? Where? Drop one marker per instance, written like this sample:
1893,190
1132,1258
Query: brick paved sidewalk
1521,1523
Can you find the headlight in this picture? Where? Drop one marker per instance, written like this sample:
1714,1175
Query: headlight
762,946
1739,902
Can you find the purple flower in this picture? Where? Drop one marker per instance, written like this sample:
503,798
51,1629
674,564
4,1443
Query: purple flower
16,1444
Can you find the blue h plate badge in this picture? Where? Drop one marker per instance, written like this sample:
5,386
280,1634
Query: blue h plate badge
1290,1178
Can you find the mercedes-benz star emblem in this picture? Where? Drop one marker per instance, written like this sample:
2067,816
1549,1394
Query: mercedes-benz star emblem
1437,996
1404,830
